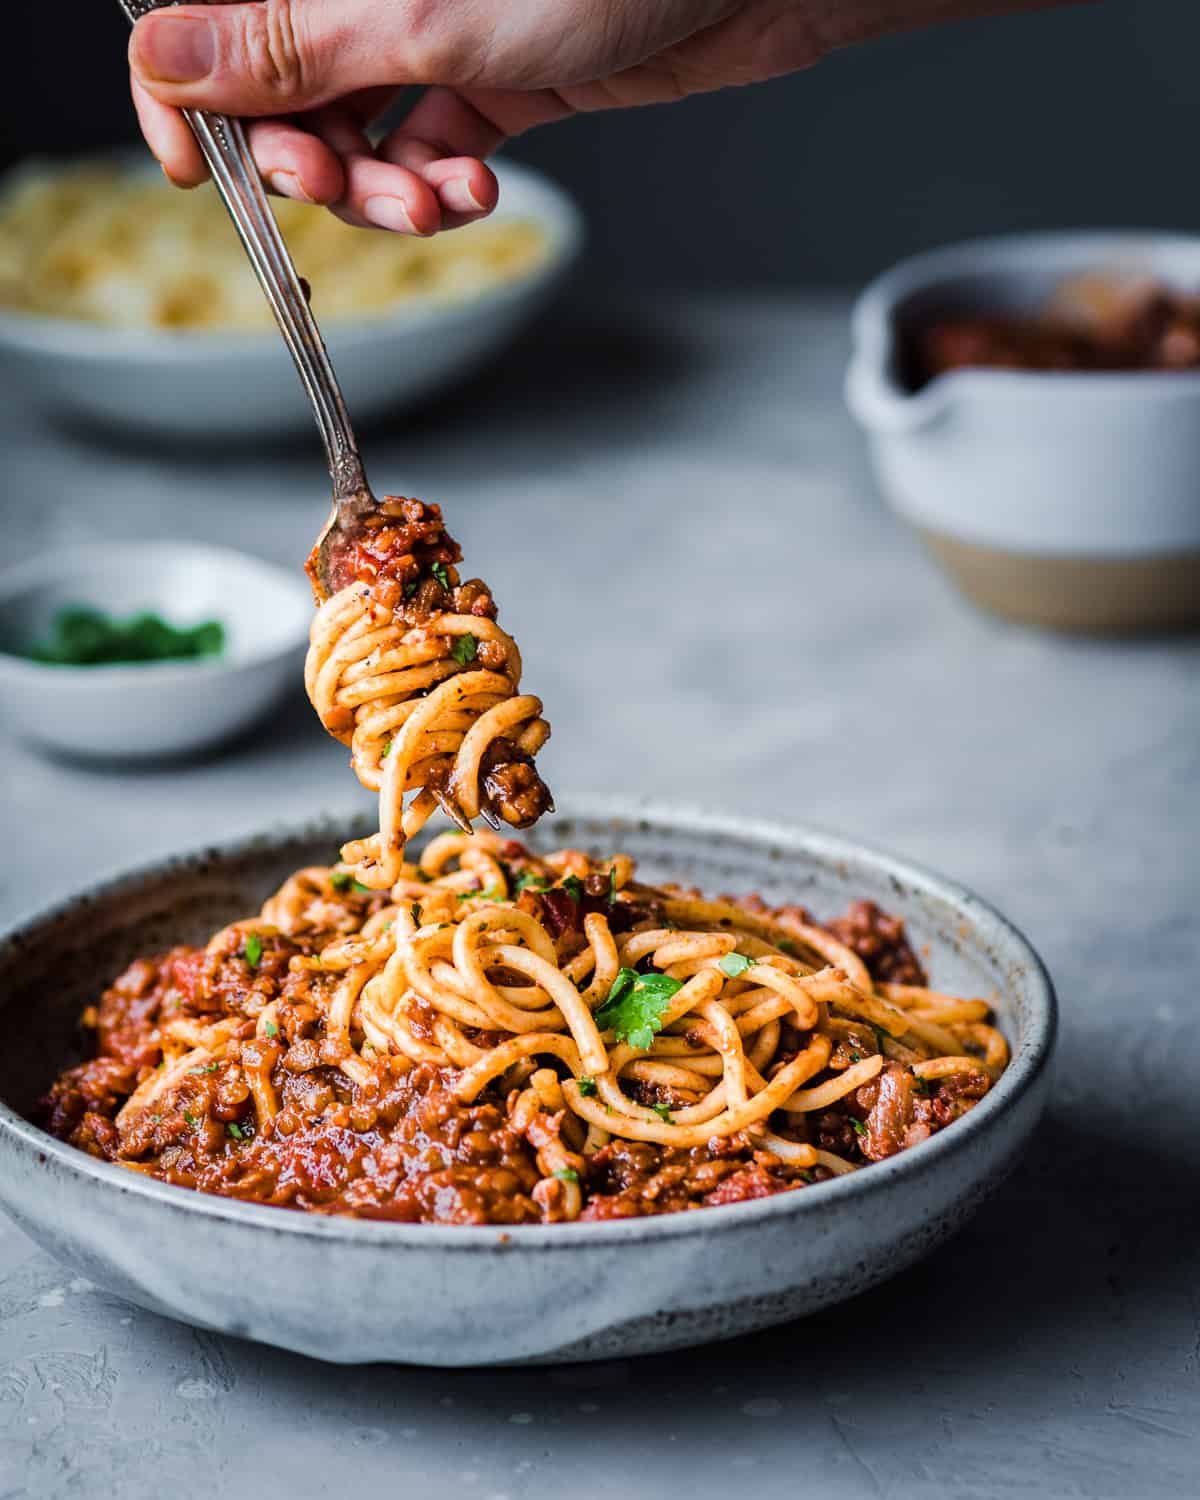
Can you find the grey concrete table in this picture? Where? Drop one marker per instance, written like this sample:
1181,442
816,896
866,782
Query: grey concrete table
677,518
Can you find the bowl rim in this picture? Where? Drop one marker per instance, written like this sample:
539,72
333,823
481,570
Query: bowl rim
1029,1061
558,215
32,570
873,334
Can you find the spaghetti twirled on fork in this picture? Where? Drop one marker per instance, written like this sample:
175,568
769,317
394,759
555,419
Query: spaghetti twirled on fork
408,667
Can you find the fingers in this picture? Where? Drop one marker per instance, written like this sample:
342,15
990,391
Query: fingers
168,136
295,163
268,57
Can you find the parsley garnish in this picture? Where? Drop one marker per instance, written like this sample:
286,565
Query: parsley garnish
363,890
785,945
340,880
493,893
880,1035
386,751
859,1127
612,886
464,649
528,877
414,912
236,1131
207,1068
856,1057
567,1174
734,964
439,572
573,887
663,1111
272,1029
156,1119
636,1005
189,1117
586,1086
410,589
807,1177
253,951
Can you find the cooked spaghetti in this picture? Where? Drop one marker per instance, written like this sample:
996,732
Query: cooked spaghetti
502,1038
409,668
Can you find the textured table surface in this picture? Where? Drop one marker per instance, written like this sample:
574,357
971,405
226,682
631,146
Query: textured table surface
678,520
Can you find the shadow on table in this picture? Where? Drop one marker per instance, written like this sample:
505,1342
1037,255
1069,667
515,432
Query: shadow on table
1044,1276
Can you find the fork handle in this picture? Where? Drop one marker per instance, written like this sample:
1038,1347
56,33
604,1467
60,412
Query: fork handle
236,178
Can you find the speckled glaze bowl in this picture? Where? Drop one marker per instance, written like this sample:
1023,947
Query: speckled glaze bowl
351,1291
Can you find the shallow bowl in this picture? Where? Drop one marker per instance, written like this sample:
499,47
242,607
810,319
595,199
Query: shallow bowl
201,383
1069,499
349,1290
148,710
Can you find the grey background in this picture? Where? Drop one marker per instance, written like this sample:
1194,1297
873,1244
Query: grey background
676,515
1071,117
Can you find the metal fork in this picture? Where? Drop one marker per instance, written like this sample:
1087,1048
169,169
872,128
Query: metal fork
227,152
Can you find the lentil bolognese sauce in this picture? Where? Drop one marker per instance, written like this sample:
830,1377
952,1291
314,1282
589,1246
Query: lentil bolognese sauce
501,1038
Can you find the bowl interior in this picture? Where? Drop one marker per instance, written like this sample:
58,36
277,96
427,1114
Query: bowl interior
55,964
264,610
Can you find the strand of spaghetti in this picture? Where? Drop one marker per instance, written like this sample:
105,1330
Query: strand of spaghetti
824,1094
568,999
758,1108
539,1044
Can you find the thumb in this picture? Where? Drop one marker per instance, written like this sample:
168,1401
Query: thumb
270,56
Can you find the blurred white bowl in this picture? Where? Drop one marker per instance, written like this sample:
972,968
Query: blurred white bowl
196,383
1063,498
153,709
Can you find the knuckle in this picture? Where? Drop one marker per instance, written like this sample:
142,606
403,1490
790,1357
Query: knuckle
436,48
275,55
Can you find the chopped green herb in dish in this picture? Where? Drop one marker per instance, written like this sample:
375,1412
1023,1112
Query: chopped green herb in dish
86,637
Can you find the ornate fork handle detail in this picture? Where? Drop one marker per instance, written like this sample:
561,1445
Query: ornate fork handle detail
225,148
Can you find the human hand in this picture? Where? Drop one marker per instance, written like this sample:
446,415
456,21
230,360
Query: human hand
315,73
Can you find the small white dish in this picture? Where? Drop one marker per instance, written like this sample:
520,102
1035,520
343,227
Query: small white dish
1070,499
155,709
208,382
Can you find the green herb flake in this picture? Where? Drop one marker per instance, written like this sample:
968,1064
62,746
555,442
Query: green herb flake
386,751
189,1118
439,572
586,1086
236,1131
881,1036
363,890
464,649
567,1174
807,1177
735,964
272,1029
493,893
410,589
856,1057
636,1005
859,1127
785,945
340,880
573,887
612,886
663,1111
207,1068
529,878
253,951
414,912
156,1119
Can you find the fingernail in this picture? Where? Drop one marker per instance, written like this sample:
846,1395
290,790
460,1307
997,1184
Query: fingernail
176,49
287,185
389,213
458,197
